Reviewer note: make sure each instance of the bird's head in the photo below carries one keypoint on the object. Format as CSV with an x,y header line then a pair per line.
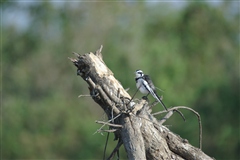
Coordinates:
x,y
139,73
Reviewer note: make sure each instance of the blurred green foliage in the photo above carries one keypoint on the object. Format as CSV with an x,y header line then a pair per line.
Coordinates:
x,y
192,53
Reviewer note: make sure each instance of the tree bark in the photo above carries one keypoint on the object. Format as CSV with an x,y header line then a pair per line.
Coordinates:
x,y
141,134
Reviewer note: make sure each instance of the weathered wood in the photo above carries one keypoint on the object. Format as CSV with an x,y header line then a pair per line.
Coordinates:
x,y
141,133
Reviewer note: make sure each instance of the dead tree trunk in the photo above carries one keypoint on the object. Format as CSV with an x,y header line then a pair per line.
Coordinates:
x,y
143,136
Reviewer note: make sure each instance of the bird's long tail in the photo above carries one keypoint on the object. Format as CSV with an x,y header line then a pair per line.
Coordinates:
x,y
154,94
160,101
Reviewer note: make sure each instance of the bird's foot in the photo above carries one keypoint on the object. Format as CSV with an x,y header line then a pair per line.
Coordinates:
x,y
145,98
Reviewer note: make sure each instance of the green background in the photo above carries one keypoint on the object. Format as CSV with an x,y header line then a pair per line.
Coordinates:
x,y
190,49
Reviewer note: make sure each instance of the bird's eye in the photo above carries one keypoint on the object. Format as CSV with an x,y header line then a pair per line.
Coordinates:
x,y
139,72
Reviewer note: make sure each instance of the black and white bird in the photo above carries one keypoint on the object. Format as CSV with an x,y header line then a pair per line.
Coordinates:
x,y
146,86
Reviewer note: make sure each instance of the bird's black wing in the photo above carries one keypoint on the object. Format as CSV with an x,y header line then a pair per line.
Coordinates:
x,y
148,79
150,83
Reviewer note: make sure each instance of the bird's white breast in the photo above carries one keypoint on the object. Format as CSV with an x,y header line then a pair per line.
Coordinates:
x,y
142,89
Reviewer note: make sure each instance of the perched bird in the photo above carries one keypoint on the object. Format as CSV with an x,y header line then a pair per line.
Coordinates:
x,y
146,86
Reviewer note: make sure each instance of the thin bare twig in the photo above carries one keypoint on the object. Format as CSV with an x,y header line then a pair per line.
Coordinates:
x,y
108,130
170,113
104,152
181,114
109,124
82,95
115,149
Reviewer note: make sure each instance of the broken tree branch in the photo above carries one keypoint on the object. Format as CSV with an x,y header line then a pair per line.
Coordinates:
x,y
142,135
